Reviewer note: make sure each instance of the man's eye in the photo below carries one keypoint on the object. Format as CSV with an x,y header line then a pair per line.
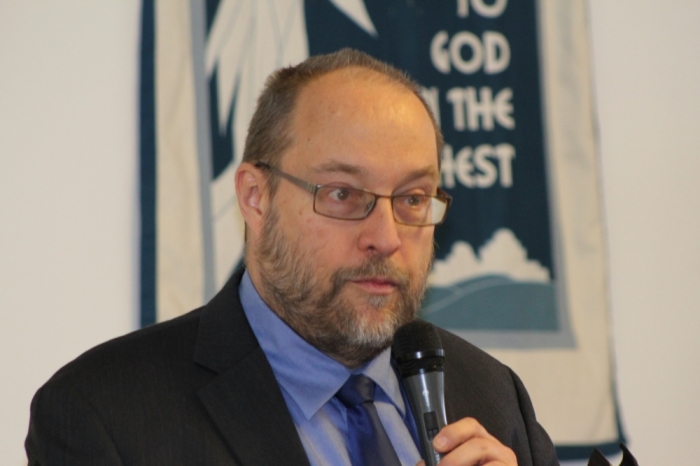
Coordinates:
x,y
340,194
415,200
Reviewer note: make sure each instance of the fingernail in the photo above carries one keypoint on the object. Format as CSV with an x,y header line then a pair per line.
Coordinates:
x,y
439,442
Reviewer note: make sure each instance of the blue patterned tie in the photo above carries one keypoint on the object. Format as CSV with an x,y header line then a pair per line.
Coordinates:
x,y
368,443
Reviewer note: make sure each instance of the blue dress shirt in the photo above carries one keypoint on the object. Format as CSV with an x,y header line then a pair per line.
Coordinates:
x,y
309,380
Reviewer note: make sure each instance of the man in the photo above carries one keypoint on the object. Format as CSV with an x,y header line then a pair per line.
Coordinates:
x,y
339,191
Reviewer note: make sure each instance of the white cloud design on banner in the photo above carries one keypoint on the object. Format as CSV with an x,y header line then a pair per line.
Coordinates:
x,y
502,255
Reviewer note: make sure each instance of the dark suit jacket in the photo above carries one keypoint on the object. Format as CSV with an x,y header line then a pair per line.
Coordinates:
x,y
199,390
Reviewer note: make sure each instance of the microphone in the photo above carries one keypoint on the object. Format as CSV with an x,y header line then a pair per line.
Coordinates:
x,y
418,352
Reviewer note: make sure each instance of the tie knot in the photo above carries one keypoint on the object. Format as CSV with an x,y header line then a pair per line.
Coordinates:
x,y
358,389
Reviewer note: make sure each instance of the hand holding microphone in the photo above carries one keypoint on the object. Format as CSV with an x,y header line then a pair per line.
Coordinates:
x,y
418,351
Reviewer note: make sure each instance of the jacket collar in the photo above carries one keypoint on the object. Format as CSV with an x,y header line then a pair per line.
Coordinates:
x,y
244,400
224,337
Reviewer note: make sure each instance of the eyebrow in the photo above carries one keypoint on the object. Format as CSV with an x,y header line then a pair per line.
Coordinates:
x,y
340,167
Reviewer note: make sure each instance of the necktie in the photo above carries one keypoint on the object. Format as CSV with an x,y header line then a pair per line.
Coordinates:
x,y
368,443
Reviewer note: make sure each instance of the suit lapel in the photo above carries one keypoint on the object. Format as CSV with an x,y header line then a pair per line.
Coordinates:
x,y
247,406
244,400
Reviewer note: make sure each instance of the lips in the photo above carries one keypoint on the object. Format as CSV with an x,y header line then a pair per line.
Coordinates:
x,y
376,285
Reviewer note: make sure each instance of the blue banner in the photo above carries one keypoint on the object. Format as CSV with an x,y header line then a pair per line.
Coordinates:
x,y
520,262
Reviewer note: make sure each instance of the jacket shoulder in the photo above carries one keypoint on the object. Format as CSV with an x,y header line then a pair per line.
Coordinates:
x,y
478,385
466,359
139,352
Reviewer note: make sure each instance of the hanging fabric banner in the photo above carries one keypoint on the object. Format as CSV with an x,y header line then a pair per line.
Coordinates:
x,y
520,266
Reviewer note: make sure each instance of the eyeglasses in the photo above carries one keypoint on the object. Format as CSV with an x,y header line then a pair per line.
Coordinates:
x,y
344,203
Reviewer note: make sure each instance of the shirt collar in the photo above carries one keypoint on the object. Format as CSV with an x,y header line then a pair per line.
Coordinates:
x,y
307,375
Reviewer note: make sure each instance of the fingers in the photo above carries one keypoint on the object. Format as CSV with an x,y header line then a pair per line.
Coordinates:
x,y
458,432
466,442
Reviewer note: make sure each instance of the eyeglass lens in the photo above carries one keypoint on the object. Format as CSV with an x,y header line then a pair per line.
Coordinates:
x,y
355,204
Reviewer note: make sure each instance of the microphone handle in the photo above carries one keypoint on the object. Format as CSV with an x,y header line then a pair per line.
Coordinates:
x,y
426,395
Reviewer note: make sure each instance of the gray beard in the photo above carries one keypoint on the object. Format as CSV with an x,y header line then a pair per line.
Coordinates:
x,y
315,308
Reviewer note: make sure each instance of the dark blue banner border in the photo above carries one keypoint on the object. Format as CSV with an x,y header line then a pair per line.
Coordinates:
x,y
147,165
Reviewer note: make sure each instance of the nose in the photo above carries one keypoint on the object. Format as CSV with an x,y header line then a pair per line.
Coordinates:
x,y
380,234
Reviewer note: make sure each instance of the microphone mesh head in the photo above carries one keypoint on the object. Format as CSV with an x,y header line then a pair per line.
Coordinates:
x,y
417,347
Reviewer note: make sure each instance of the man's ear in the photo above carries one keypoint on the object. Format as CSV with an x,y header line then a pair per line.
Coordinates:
x,y
251,191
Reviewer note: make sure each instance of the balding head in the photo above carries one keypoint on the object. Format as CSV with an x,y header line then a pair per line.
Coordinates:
x,y
270,131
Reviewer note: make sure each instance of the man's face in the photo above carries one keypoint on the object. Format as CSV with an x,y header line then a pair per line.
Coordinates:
x,y
346,286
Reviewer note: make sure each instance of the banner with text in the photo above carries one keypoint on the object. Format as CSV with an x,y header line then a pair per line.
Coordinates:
x,y
520,262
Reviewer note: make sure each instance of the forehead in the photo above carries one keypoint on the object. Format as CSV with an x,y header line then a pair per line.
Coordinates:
x,y
357,117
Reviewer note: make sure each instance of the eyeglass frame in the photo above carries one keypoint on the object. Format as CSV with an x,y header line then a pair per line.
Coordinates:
x,y
313,189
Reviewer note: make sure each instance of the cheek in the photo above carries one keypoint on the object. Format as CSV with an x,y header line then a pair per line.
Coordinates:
x,y
418,246
317,244
331,247
291,206
296,217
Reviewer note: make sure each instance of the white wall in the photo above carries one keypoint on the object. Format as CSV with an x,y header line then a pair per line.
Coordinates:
x,y
647,76
68,202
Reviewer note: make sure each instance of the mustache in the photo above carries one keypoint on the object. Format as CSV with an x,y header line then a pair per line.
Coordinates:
x,y
376,267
